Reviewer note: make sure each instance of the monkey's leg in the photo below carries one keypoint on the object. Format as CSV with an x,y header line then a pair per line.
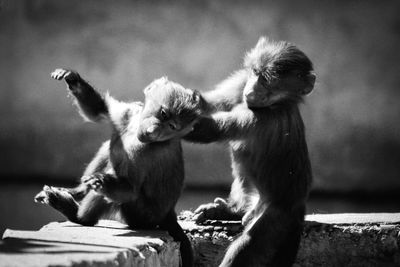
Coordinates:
x,y
90,102
114,188
92,208
171,225
272,239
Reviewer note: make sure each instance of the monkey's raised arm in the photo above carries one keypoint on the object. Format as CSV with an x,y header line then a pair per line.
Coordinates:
x,y
222,126
90,102
228,93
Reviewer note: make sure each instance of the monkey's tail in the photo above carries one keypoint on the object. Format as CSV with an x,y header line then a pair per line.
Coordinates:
x,y
171,225
270,240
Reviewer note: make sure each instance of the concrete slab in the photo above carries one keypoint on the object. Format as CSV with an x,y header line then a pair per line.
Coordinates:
x,y
108,244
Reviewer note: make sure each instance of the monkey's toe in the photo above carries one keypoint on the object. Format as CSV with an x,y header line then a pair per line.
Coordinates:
x,y
42,198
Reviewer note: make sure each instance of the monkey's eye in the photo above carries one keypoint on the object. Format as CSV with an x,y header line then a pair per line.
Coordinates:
x,y
163,114
256,72
172,126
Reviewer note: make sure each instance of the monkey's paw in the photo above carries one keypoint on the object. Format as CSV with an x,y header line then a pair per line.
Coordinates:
x,y
68,75
94,181
218,210
52,196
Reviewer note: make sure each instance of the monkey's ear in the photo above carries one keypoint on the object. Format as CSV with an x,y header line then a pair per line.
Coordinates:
x,y
310,80
147,89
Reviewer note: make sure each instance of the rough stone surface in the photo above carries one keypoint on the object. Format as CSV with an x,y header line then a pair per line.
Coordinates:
x,y
108,244
328,240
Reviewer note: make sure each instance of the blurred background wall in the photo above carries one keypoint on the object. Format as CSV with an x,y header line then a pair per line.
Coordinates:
x,y
352,118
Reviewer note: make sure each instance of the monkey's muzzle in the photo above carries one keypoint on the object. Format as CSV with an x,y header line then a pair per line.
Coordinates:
x,y
148,134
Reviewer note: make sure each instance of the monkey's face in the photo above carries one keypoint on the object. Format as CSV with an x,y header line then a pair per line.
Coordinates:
x,y
170,111
277,72
266,90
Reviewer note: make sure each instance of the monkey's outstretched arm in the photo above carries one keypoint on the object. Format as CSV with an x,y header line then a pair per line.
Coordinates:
x,y
222,126
228,93
90,102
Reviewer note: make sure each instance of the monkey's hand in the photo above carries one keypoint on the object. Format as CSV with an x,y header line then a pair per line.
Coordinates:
x,y
116,190
70,76
94,181
218,210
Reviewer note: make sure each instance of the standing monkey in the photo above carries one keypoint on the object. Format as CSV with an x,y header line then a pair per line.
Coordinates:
x,y
139,172
257,112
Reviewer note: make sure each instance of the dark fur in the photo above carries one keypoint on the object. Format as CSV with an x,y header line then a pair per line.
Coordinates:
x,y
137,173
270,161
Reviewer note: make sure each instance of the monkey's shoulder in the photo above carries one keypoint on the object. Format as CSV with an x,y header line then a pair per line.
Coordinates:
x,y
123,116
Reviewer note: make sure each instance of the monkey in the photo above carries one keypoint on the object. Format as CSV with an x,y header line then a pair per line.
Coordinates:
x,y
139,172
256,111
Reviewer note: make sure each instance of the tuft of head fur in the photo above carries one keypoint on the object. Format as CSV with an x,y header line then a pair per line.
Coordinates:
x,y
272,58
183,103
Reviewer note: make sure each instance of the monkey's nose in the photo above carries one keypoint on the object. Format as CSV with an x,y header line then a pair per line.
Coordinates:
x,y
150,130
251,96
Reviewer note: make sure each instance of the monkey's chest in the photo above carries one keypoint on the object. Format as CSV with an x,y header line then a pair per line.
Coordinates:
x,y
247,154
132,158
241,151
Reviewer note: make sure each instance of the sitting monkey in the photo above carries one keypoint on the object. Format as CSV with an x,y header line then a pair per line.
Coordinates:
x,y
139,172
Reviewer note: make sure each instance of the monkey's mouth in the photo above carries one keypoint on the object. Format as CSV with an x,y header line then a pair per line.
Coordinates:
x,y
258,102
149,138
144,138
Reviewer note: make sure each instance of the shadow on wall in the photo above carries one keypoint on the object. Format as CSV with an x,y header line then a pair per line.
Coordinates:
x,y
351,118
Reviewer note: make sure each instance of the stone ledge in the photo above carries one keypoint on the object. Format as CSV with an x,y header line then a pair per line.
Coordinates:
x,y
108,244
371,239
328,240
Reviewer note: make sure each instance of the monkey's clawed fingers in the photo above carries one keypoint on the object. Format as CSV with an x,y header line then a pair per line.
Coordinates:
x,y
60,74
42,196
70,76
211,211
94,181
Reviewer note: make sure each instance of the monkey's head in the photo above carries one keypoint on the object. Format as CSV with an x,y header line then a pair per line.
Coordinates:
x,y
278,72
170,111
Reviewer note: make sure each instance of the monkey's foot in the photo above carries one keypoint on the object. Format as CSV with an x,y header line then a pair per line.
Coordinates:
x,y
53,196
94,181
218,210
50,194
59,199
68,75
